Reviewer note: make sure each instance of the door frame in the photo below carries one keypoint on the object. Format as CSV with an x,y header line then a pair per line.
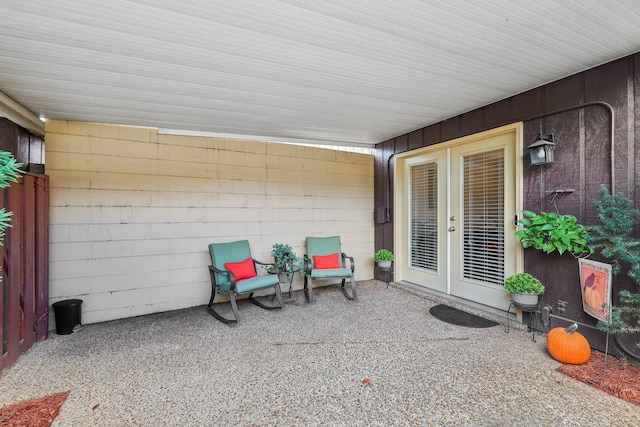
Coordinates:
x,y
400,193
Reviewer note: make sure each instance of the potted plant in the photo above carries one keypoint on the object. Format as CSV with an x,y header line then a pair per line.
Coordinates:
x,y
383,257
550,232
285,258
525,289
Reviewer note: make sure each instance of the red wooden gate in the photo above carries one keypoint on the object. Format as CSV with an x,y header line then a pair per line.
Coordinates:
x,y
24,293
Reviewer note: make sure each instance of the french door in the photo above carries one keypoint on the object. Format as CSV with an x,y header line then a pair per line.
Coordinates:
x,y
458,202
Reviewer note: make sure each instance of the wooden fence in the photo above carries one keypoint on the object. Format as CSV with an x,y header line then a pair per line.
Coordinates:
x,y
24,313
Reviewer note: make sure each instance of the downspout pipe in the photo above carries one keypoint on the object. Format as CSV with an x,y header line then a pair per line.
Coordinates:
x,y
609,108
387,201
603,104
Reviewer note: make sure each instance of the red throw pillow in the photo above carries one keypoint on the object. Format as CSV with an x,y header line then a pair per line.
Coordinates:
x,y
242,270
326,261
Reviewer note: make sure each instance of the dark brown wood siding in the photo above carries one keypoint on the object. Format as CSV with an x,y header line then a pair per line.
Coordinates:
x,y
583,163
27,148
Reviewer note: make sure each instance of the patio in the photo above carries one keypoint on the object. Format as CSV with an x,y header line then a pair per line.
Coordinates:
x,y
305,365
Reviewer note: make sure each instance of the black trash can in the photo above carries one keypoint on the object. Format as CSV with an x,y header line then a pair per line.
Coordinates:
x,y
68,314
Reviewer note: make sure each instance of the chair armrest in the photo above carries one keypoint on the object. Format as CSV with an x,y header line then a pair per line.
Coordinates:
x,y
306,265
272,264
351,263
230,275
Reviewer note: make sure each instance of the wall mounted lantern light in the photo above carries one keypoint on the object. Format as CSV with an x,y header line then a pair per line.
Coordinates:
x,y
541,151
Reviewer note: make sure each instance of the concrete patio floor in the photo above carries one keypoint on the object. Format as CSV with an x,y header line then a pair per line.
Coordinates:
x,y
305,366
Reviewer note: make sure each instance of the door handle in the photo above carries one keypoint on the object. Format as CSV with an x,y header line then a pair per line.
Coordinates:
x,y
452,228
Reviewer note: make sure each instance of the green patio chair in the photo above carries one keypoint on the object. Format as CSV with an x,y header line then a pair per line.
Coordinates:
x,y
325,260
233,272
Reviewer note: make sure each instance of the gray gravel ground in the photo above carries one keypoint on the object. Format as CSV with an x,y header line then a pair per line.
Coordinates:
x,y
305,366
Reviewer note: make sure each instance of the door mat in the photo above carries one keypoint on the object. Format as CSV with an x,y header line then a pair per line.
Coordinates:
x,y
38,412
459,317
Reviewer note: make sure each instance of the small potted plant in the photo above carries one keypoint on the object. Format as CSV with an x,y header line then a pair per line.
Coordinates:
x,y
551,232
285,258
383,257
525,289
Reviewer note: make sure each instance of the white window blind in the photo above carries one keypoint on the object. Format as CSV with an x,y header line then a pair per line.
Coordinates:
x,y
424,216
484,217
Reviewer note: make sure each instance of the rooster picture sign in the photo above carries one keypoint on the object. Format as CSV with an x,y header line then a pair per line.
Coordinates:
x,y
595,283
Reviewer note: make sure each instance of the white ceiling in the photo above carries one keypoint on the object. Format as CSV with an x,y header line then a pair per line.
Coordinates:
x,y
353,72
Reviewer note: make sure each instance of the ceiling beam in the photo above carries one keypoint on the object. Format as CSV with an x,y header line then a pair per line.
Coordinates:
x,y
20,115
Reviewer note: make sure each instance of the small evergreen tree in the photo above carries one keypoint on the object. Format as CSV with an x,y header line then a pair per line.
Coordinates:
x,y
613,238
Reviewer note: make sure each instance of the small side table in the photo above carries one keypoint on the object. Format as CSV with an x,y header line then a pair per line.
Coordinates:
x,y
388,272
533,319
288,279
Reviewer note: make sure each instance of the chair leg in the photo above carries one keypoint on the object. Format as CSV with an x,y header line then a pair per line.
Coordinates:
x,y
279,294
308,288
215,314
219,317
352,285
234,306
269,307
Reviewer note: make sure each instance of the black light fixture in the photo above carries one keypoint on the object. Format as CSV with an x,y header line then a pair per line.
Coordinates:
x,y
541,151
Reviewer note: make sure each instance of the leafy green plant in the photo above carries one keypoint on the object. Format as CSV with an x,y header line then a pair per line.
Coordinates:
x,y
550,232
383,255
523,283
618,217
9,172
285,258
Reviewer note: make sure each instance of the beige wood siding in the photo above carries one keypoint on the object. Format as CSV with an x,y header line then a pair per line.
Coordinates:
x,y
132,211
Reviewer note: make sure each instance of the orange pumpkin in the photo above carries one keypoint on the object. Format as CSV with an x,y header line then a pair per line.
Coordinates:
x,y
568,346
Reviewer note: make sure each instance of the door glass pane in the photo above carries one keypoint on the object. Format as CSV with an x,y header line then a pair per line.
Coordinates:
x,y
483,217
424,216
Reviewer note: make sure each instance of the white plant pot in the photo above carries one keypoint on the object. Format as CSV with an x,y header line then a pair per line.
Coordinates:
x,y
385,265
525,300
